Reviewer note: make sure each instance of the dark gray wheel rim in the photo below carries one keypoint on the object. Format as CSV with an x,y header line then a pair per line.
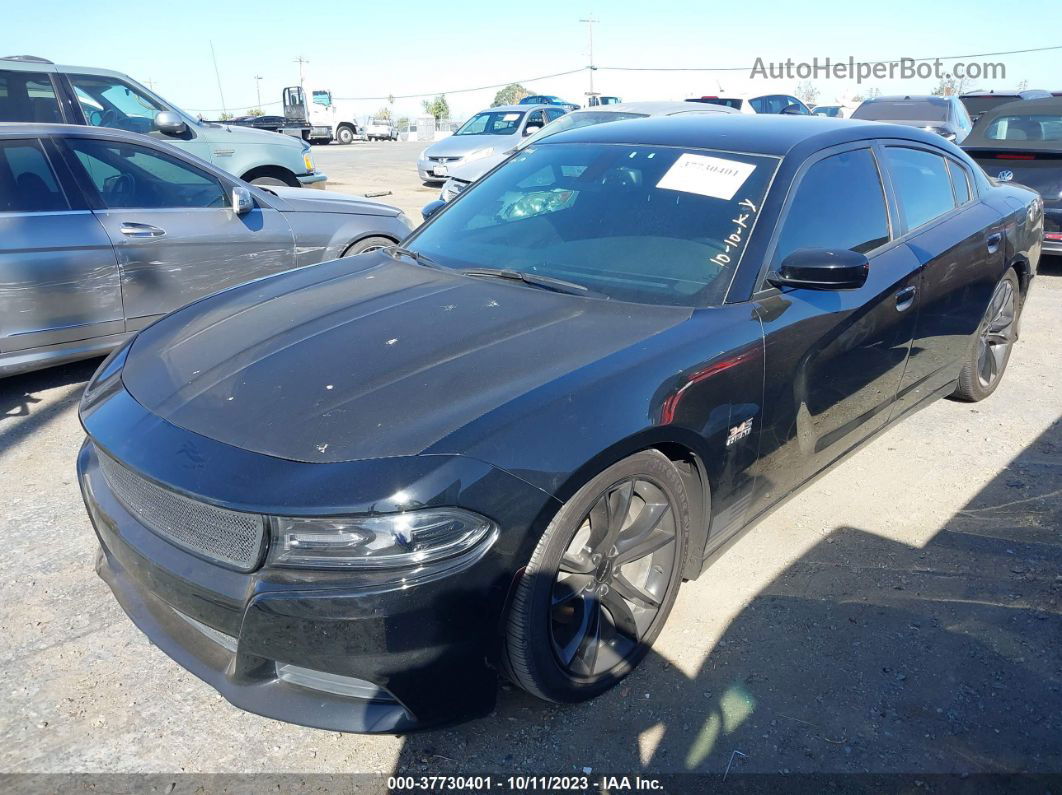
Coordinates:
x,y
613,578
997,334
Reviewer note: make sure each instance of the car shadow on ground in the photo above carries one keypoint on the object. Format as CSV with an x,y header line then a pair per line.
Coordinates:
x,y
864,655
19,399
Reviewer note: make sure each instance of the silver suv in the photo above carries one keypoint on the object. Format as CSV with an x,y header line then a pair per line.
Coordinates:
x,y
35,90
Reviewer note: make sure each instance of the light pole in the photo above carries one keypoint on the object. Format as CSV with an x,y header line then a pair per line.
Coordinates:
x,y
300,61
258,89
590,32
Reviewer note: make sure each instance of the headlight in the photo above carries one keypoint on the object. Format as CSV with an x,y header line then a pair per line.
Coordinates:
x,y
401,540
307,158
479,154
424,153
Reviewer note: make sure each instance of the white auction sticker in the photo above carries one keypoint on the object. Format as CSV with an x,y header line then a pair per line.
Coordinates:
x,y
708,176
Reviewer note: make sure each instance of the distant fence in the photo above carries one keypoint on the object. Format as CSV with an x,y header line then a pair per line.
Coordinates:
x,y
425,128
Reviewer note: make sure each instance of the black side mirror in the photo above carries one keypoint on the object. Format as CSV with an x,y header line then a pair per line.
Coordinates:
x,y
822,269
793,110
431,208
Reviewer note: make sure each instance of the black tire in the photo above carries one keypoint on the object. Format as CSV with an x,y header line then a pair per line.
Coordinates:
x,y
368,244
546,604
990,347
345,135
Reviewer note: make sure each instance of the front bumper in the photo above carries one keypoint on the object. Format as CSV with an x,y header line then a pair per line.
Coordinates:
x,y
426,170
314,180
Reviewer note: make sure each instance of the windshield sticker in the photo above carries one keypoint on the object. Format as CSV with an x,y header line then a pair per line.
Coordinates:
x,y
735,241
510,117
708,176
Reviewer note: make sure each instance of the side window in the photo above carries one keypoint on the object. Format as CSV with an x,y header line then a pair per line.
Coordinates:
x,y
838,204
135,176
922,184
28,97
27,183
760,104
536,119
554,113
109,102
959,182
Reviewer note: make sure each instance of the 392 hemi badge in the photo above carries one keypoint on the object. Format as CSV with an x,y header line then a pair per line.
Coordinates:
x,y
739,432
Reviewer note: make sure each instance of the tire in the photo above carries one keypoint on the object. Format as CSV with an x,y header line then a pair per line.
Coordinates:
x,y
345,135
549,627
267,181
990,347
367,244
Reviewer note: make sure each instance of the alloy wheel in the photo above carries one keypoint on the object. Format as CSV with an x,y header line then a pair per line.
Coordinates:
x,y
613,578
997,334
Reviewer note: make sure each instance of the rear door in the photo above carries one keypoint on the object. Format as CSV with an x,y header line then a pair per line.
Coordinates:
x,y
958,243
58,275
172,226
834,359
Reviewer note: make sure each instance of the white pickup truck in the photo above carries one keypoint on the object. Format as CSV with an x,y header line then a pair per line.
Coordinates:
x,y
377,129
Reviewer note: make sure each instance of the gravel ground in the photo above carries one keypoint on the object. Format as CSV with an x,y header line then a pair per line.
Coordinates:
x,y
900,616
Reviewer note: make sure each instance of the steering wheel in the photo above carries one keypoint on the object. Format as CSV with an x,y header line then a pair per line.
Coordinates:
x,y
119,190
108,118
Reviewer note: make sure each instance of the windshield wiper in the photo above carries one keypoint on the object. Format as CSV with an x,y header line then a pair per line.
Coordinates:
x,y
416,256
533,279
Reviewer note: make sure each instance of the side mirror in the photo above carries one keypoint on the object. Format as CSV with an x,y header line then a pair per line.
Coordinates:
x,y
242,200
793,110
822,269
169,123
431,208
532,128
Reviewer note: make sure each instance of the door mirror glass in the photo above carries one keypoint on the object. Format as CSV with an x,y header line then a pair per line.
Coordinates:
x,y
532,128
169,123
822,269
242,200
431,208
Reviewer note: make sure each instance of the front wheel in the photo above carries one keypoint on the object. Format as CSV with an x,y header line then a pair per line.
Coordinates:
x,y
368,244
345,135
990,349
601,582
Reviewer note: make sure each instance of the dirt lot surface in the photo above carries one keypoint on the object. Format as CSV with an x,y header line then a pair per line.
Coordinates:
x,y
901,615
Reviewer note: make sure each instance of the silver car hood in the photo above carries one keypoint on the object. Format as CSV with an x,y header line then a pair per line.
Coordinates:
x,y
461,145
470,172
304,200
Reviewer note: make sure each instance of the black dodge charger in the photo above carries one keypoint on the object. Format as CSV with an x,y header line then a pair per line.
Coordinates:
x,y
351,496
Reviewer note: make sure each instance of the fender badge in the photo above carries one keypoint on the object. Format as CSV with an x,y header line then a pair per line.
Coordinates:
x,y
739,432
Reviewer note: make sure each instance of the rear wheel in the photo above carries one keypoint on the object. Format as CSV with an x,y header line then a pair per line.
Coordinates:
x,y
601,582
990,349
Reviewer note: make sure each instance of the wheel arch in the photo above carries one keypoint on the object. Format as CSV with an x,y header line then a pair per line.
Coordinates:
x,y
365,236
279,172
1020,265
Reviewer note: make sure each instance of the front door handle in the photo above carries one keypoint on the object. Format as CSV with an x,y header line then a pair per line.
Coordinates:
x,y
905,298
130,229
993,242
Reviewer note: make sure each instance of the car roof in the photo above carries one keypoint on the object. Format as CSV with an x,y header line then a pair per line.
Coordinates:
x,y
931,99
769,134
12,129
508,108
657,108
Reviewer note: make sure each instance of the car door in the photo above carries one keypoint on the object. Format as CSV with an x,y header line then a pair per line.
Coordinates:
x,y
172,226
833,358
58,275
958,243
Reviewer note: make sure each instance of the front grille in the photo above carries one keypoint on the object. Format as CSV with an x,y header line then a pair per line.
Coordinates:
x,y
434,159
231,538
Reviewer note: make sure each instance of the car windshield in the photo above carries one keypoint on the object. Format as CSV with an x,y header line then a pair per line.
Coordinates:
x,y
732,102
648,224
976,105
492,122
913,110
1039,127
573,121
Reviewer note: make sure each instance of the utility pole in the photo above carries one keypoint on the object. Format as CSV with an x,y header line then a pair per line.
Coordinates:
x,y
258,88
300,61
150,83
217,74
590,32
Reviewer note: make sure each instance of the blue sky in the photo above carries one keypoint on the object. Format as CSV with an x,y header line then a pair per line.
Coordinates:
x,y
395,47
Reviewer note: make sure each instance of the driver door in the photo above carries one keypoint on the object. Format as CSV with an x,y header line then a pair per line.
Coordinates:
x,y
172,227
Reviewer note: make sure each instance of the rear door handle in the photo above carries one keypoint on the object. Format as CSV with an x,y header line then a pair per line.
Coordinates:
x,y
130,229
905,298
993,242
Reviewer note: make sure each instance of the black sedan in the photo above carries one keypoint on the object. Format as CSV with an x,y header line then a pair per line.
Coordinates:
x,y
350,496
945,116
1021,142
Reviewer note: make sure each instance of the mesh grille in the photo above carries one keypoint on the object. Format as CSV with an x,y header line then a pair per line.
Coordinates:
x,y
229,537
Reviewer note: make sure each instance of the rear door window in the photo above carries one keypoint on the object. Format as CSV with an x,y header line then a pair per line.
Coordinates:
x,y
960,182
839,204
28,97
922,182
27,182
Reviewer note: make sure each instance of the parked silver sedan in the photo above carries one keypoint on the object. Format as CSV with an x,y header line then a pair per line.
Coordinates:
x,y
103,231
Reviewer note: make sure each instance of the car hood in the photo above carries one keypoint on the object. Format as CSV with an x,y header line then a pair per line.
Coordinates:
x,y
470,172
367,357
236,133
318,201
461,145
